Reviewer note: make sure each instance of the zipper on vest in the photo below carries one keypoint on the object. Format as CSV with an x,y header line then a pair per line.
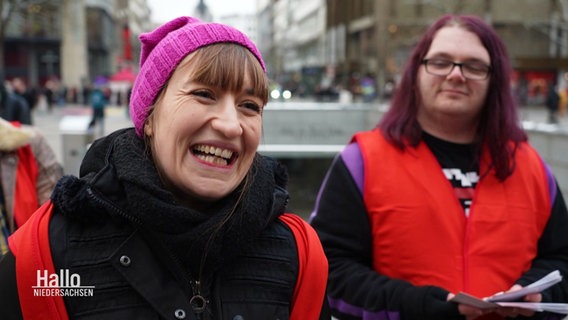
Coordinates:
x,y
198,302
110,206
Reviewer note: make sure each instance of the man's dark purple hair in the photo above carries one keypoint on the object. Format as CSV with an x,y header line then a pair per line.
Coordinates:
x,y
499,128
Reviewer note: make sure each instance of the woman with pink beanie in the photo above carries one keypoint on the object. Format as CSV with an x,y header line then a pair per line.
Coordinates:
x,y
178,217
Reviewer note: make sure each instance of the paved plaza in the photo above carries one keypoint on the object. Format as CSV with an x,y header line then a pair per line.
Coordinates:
x,y
52,124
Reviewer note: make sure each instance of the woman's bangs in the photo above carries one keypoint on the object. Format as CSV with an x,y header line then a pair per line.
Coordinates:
x,y
225,66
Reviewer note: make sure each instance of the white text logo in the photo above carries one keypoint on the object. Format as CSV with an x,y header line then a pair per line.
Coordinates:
x,y
64,284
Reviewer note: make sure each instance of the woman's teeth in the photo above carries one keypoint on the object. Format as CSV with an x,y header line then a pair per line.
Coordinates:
x,y
213,154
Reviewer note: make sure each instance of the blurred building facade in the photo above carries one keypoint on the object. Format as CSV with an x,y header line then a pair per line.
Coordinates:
x,y
358,38
32,41
72,42
308,45
291,36
78,43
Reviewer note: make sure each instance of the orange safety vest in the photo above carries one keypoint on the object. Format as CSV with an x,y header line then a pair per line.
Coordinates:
x,y
25,195
30,245
421,234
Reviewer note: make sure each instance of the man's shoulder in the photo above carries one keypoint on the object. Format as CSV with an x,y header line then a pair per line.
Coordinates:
x,y
15,99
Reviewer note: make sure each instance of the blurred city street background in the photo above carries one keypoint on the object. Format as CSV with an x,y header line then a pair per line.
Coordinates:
x,y
116,117
346,55
305,174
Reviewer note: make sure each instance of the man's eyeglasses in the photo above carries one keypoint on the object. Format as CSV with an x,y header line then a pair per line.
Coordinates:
x,y
469,70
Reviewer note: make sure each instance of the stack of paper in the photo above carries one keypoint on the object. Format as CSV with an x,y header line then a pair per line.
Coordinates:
x,y
511,299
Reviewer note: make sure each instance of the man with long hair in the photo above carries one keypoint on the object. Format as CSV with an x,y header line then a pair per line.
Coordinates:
x,y
445,195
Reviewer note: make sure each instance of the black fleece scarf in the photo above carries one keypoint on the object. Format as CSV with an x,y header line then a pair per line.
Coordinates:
x,y
201,240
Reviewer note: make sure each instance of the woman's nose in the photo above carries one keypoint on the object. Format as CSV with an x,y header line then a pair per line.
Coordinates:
x,y
227,120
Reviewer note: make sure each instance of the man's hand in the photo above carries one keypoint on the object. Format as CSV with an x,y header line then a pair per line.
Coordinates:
x,y
468,311
512,312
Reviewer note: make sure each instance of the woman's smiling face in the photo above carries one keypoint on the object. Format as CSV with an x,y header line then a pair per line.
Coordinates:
x,y
204,138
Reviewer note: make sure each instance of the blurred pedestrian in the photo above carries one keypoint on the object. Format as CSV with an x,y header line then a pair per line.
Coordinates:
x,y
368,90
128,94
445,195
49,94
552,103
563,103
178,217
27,93
14,107
28,171
98,102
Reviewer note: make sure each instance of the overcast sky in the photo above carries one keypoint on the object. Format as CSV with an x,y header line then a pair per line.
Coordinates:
x,y
165,10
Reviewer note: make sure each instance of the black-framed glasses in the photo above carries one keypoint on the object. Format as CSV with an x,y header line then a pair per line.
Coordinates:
x,y
470,70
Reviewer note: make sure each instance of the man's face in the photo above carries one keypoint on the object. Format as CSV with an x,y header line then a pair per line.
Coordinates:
x,y
453,98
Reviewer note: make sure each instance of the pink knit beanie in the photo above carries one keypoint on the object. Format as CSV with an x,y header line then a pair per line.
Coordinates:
x,y
162,51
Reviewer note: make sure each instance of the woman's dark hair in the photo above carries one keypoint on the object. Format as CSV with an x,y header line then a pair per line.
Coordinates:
x,y
499,128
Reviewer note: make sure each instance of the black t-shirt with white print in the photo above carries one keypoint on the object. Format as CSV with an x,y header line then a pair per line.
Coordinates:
x,y
460,165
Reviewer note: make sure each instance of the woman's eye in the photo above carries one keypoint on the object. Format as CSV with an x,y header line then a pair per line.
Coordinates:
x,y
203,94
251,106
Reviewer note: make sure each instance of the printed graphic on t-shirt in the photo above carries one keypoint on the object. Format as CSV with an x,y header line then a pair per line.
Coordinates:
x,y
464,185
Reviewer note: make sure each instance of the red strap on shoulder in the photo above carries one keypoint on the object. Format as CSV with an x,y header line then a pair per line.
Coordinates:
x,y
25,195
312,272
30,246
